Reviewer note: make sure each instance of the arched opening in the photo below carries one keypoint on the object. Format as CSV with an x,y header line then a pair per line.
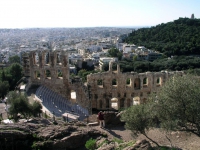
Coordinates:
x,y
128,82
107,103
58,58
145,82
59,74
114,67
37,75
100,104
137,83
158,81
36,59
132,94
48,74
136,100
100,82
47,58
128,102
122,103
114,103
73,96
114,82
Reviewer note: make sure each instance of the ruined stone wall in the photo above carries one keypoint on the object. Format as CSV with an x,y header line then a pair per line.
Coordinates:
x,y
127,88
51,69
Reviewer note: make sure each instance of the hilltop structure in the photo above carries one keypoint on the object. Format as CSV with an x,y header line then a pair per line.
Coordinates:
x,y
103,91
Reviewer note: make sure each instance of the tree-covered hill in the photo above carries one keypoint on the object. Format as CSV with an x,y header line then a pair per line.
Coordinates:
x,y
180,37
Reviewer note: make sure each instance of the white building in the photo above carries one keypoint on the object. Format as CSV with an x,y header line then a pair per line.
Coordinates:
x,y
105,60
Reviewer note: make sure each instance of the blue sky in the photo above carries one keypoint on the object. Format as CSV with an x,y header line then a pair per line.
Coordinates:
x,y
93,13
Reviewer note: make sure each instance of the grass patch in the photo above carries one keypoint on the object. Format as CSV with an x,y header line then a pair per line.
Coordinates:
x,y
117,140
91,144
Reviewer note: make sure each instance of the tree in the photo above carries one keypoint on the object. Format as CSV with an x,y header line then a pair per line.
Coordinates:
x,y
176,107
14,59
178,104
19,104
139,119
114,52
36,108
14,74
4,88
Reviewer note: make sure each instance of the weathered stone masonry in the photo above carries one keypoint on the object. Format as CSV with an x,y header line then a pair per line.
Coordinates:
x,y
51,69
126,88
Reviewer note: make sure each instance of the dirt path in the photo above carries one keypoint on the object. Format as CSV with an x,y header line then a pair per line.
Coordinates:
x,y
181,140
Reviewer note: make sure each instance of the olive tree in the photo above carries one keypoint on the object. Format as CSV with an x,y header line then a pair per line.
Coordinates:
x,y
19,104
139,120
178,104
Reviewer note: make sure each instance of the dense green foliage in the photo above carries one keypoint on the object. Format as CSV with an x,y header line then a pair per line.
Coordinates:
x,y
180,37
19,104
139,119
178,104
83,74
91,144
175,107
14,59
114,52
4,88
170,64
12,75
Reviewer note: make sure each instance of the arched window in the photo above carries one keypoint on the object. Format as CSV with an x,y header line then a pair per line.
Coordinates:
x,y
48,74
137,83
100,82
128,102
128,82
100,104
36,58
47,58
59,74
114,82
58,59
145,82
114,67
158,81
107,103
37,75
122,103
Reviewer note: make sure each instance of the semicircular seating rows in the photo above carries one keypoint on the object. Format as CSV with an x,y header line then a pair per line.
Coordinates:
x,y
59,105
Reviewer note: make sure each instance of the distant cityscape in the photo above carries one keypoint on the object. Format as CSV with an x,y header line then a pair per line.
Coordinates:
x,y
83,44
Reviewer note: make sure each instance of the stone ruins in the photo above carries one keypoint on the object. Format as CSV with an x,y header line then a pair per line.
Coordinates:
x,y
102,91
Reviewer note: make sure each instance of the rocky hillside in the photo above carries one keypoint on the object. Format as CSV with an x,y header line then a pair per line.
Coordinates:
x,y
45,135
42,134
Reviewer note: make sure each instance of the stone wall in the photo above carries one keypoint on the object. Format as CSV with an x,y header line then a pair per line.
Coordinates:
x,y
51,69
125,88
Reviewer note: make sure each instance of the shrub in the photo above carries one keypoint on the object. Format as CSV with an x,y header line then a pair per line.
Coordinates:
x,y
91,144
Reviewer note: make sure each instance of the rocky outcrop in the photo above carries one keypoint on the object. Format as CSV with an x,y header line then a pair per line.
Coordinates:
x,y
112,119
46,135
106,144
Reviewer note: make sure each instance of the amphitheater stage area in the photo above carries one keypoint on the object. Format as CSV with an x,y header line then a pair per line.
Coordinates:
x,y
57,105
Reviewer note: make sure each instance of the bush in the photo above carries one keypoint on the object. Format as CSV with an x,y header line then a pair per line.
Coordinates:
x,y
91,144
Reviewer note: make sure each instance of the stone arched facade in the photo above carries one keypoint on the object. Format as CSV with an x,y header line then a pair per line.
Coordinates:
x,y
51,69
130,87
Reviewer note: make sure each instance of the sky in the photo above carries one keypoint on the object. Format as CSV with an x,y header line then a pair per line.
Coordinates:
x,y
93,13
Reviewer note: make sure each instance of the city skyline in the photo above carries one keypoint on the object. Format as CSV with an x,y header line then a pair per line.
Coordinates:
x,y
93,13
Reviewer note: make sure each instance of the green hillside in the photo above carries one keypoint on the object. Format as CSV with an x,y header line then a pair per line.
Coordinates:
x,y
180,37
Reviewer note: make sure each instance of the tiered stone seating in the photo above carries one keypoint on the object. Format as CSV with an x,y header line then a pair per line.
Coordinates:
x,y
58,105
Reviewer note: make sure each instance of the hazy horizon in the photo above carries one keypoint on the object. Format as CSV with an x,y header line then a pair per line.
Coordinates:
x,y
24,14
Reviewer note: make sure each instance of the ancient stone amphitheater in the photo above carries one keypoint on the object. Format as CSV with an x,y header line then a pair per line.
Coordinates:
x,y
102,91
